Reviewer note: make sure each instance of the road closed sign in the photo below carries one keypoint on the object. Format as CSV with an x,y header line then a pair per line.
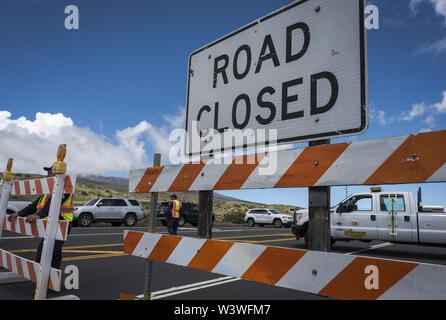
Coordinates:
x,y
298,74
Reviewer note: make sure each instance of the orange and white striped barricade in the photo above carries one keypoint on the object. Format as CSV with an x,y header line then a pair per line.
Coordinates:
x,y
37,228
404,159
325,274
52,229
27,269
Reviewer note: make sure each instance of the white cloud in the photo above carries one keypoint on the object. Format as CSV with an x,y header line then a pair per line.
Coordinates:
x,y
33,144
439,6
380,116
429,110
177,120
439,47
430,121
417,110
436,49
440,107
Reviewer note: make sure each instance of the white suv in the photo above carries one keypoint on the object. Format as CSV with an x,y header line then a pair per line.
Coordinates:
x,y
267,216
113,210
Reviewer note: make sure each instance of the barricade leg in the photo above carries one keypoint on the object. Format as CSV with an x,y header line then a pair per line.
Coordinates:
x,y
50,237
7,277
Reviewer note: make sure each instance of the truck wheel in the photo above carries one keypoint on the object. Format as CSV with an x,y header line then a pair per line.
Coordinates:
x,y
277,223
181,221
130,220
251,223
85,220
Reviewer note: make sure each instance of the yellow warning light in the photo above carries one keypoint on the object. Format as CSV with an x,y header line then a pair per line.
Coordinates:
x,y
7,175
376,189
9,164
60,167
61,152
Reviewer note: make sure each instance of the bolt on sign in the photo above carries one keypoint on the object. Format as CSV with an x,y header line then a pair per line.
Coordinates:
x,y
301,70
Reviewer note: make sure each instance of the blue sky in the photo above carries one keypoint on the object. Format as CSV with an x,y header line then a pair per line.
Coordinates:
x,y
116,87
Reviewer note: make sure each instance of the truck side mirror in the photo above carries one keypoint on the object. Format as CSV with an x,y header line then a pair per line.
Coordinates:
x,y
340,208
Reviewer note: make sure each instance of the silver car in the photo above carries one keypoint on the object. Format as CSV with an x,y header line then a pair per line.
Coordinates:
x,y
113,210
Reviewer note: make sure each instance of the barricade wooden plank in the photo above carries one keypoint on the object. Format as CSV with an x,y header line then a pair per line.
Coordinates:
x,y
28,269
327,274
37,228
41,186
405,159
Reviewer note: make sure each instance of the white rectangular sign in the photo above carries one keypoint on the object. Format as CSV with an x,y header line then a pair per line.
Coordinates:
x,y
301,70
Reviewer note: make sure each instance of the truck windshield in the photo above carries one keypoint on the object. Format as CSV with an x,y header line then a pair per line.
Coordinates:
x,y
275,211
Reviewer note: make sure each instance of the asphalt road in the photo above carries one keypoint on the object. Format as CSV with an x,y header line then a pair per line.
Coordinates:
x,y
105,272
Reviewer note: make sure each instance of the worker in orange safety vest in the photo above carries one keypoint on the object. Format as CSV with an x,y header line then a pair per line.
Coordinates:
x,y
174,211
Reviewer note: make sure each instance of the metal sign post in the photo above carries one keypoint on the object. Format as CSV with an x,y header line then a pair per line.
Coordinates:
x,y
152,228
319,213
205,217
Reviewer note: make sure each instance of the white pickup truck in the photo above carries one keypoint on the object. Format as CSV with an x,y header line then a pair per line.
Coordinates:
x,y
386,216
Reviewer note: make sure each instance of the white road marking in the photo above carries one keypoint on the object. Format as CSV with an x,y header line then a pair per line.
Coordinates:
x,y
94,234
376,246
190,287
116,234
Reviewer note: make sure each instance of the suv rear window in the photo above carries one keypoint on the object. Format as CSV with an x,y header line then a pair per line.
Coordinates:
x,y
134,203
119,203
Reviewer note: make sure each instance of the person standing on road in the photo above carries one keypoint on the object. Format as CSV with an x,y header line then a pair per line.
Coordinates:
x,y
174,211
39,209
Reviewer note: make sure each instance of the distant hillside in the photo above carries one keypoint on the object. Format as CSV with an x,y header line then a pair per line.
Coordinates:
x,y
124,182
110,181
226,209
